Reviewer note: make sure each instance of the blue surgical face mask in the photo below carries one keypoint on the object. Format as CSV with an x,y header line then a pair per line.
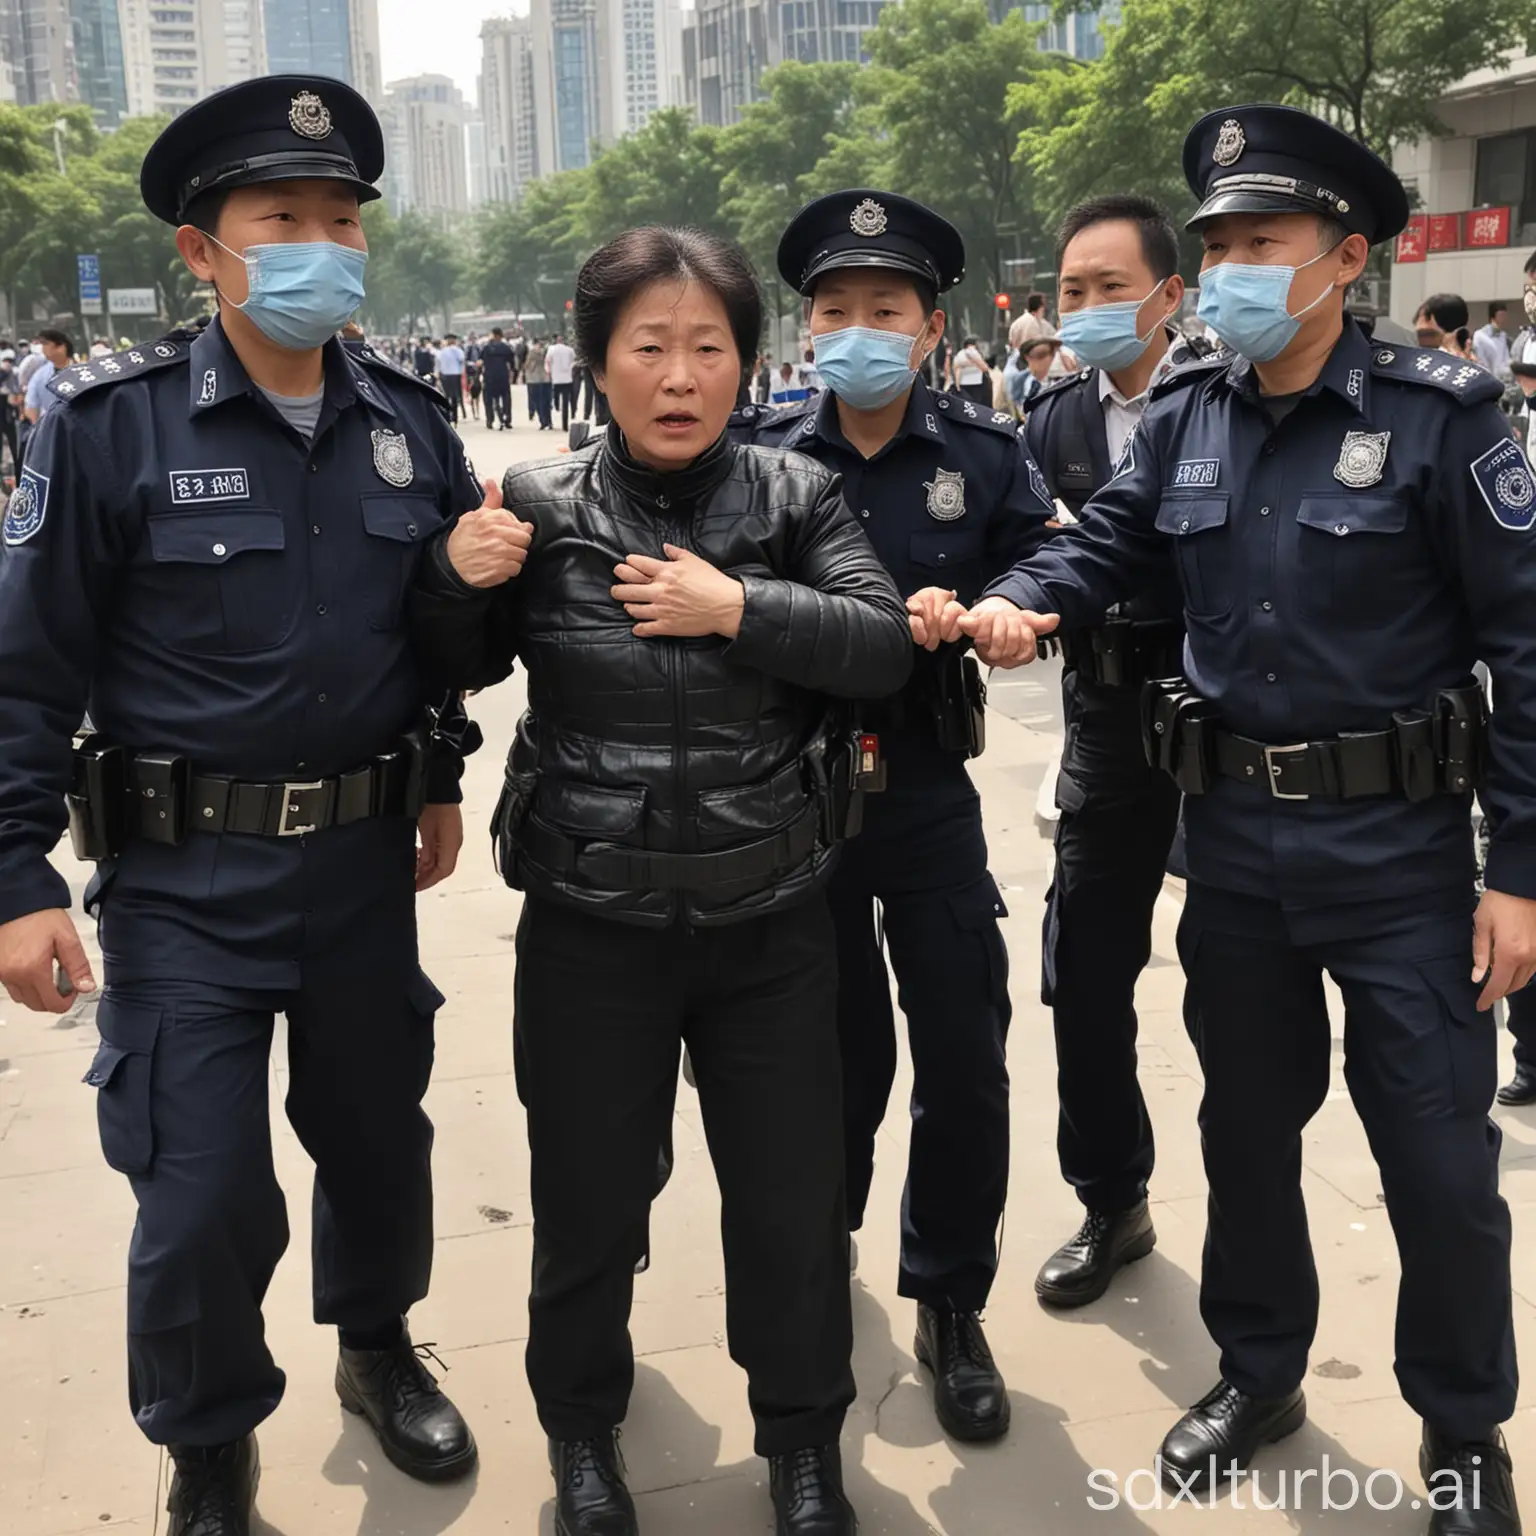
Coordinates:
x,y
1104,336
1246,305
865,367
301,294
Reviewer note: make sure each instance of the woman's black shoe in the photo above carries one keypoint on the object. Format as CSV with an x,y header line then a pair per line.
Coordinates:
x,y
214,1488
969,1395
1080,1270
418,1428
808,1497
1226,1426
590,1496
1471,1485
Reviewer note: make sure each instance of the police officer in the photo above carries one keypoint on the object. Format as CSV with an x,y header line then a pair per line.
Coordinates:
x,y
1119,290
949,497
211,547
1352,527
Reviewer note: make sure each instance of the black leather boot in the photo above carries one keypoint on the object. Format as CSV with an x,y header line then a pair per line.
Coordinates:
x,y
1471,1485
1521,1088
214,1488
1226,1426
590,1496
419,1429
808,1497
1080,1270
968,1391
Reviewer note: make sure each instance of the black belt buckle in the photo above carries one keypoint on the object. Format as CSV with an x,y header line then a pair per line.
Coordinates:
x,y
162,790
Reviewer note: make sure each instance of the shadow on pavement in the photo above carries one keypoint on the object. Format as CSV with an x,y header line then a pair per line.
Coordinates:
x,y
1159,1324
396,1505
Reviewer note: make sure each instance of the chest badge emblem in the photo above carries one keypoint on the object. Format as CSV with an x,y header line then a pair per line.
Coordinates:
x,y
1362,459
946,495
392,458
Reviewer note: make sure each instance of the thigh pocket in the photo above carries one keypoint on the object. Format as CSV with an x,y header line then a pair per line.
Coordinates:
x,y
122,1074
977,908
1471,1040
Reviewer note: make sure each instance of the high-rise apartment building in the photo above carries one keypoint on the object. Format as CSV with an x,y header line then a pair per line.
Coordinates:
x,y
644,57
1080,34
512,148
474,160
245,39
37,44
425,119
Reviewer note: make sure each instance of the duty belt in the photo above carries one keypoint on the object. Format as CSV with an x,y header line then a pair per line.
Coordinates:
x,y
1123,652
292,808
613,866
1436,750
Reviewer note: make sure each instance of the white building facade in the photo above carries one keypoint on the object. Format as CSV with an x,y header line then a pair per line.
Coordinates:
x,y
507,108
425,121
1474,224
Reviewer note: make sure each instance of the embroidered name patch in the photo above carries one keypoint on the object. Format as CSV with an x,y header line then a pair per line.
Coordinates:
x,y
192,487
1200,472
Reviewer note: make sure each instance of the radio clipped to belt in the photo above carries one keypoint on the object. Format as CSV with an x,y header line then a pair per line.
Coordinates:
x,y
1444,749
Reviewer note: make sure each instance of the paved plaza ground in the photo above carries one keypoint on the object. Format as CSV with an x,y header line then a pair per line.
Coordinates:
x,y
1093,1392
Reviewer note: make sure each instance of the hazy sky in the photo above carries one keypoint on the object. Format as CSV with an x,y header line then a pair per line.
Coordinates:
x,y
437,37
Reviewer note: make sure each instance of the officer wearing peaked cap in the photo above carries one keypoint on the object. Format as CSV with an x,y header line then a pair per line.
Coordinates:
x,y
1352,529
950,498
211,546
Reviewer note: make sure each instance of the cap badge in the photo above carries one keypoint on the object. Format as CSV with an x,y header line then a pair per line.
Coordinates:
x,y
1230,143
309,117
868,219
392,458
1362,459
946,495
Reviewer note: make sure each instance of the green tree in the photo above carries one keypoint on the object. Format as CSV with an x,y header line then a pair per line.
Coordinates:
x,y
667,173
938,93
1373,67
414,268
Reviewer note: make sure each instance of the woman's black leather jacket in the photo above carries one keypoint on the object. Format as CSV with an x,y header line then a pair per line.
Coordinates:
x,y
657,779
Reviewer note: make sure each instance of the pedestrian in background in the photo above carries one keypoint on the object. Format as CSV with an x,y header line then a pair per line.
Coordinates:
x,y
674,852
498,361
58,353
1490,343
560,361
972,376
450,375
536,373
1441,324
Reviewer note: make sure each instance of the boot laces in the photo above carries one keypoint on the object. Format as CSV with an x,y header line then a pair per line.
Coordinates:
x,y
208,1496
589,1457
410,1384
968,1342
805,1473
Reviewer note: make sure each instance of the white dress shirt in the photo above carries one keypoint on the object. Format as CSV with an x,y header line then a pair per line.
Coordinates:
x,y
1122,415
561,360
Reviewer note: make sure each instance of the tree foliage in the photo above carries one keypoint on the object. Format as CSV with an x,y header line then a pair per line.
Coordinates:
x,y
1373,67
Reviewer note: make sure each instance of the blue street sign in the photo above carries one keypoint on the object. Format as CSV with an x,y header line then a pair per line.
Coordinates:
x,y
90,284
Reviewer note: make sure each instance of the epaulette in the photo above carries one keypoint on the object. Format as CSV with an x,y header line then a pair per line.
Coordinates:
x,y
963,408
71,383
1466,382
371,357
1192,372
1058,387
756,417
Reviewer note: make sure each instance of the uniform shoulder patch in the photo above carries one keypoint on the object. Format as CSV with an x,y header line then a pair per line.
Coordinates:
x,y
25,511
1466,382
1192,372
71,383
963,408
1504,480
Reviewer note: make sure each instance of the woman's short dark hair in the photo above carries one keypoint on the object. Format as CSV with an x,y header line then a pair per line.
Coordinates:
x,y
615,273
1447,310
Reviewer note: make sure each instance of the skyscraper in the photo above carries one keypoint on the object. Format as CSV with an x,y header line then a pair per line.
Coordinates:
x,y
309,37
424,121
512,147
568,81
98,46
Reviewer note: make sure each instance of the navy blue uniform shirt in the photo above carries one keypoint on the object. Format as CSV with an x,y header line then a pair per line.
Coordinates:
x,y
178,557
1346,564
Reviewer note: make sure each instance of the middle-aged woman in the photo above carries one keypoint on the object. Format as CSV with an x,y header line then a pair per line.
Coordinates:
x,y
688,613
